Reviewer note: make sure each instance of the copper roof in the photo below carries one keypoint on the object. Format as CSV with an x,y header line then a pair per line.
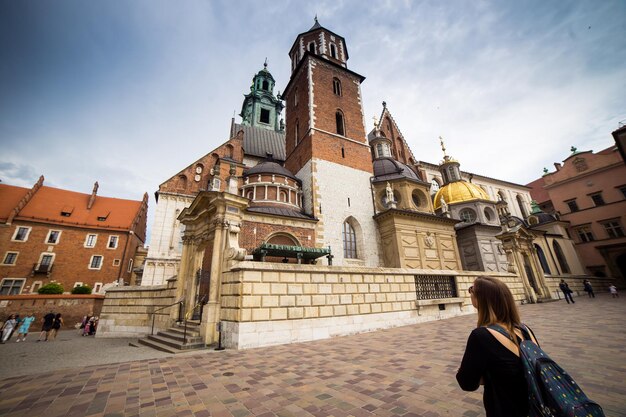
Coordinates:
x,y
261,142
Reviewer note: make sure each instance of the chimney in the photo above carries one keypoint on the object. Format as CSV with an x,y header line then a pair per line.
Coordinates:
x,y
92,199
558,166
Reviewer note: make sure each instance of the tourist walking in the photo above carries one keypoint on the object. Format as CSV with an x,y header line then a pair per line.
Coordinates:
x,y
56,326
566,291
588,288
613,291
22,332
7,328
490,358
48,322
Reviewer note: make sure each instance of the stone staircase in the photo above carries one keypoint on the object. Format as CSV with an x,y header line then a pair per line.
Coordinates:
x,y
172,340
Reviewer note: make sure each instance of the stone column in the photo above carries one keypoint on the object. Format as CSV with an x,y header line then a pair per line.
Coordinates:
x,y
185,272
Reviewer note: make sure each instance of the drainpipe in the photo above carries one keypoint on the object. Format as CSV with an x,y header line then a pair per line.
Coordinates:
x,y
130,234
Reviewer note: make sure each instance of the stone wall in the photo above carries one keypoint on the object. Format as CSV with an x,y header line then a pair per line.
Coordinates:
x,y
266,304
72,307
127,311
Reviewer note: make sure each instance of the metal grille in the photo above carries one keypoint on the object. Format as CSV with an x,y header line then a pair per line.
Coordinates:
x,y
429,287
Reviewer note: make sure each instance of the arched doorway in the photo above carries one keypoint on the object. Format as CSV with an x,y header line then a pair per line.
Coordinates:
x,y
531,276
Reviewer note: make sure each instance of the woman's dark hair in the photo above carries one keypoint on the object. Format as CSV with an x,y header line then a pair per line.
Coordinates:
x,y
495,303
58,316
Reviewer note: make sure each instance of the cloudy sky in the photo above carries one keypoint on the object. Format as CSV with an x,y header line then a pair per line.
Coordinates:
x,y
127,93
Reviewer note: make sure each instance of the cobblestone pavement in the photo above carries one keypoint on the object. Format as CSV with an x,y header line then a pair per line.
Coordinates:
x,y
405,372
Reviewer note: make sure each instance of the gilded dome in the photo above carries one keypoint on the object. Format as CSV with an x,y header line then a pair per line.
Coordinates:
x,y
459,192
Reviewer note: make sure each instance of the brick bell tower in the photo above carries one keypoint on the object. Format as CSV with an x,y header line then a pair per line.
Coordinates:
x,y
327,148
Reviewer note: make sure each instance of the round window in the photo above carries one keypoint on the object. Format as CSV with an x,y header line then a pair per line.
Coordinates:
x,y
467,215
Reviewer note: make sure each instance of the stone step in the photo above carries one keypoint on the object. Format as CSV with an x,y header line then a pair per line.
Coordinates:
x,y
158,346
175,343
180,337
181,331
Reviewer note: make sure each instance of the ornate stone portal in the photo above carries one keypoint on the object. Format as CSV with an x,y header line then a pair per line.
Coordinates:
x,y
210,243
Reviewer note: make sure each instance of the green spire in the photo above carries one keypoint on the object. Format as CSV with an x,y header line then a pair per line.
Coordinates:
x,y
534,207
261,108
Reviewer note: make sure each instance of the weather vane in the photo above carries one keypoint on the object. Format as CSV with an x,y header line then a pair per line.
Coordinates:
x,y
443,147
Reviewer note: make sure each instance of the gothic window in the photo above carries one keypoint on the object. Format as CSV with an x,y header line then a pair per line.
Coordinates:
x,y
336,86
297,132
181,184
542,259
468,215
340,123
265,116
295,97
520,203
230,150
312,48
333,50
266,85
349,241
560,257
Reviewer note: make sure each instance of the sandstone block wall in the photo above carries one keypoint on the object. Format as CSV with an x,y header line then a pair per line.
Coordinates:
x,y
127,311
267,304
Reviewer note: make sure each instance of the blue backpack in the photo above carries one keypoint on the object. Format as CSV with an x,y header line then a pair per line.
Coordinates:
x,y
551,391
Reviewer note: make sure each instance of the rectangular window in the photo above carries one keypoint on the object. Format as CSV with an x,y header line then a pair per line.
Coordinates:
x,y
11,286
265,116
622,189
584,233
116,262
91,240
113,242
96,262
573,206
597,199
21,234
53,237
45,263
613,228
10,258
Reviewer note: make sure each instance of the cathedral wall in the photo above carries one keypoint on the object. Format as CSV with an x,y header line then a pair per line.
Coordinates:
x,y
267,304
341,193
257,229
165,250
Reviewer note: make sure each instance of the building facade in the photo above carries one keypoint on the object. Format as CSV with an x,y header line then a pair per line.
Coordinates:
x,y
587,192
53,235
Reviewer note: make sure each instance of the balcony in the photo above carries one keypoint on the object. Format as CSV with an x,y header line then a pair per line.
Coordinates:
x,y
42,269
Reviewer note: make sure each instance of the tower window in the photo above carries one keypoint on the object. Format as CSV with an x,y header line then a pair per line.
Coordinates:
x,y
266,85
297,132
340,123
333,51
468,215
265,116
312,47
336,86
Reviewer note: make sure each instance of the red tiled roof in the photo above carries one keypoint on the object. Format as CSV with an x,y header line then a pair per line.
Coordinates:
x,y
48,203
537,192
10,195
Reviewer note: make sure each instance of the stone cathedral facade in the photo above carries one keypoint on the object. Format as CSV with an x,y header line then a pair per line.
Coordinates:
x,y
354,231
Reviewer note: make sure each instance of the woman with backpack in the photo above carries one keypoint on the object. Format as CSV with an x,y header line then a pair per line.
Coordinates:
x,y
490,358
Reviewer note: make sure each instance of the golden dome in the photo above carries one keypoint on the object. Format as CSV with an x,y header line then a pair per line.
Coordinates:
x,y
459,192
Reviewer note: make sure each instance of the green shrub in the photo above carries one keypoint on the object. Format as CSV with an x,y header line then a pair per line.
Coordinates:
x,y
81,289
52,288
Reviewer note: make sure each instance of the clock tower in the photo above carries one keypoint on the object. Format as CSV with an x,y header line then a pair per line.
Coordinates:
x,y
327,148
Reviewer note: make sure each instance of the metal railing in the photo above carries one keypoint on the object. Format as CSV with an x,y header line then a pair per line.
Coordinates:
x,y
181,307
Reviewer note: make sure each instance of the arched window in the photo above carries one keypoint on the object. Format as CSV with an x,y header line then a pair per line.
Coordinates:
x,y
501,196
468,215
181,184
312,48
434,186
349,241
379,150
333,50
336,86
560,257
295,97
522,207
542,259
340,123
230,150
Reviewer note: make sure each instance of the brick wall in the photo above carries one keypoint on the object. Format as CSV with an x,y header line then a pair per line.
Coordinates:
x,y
72,307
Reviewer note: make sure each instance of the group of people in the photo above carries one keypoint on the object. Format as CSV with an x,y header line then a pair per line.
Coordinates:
x,y
89,325
567,292
51,324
